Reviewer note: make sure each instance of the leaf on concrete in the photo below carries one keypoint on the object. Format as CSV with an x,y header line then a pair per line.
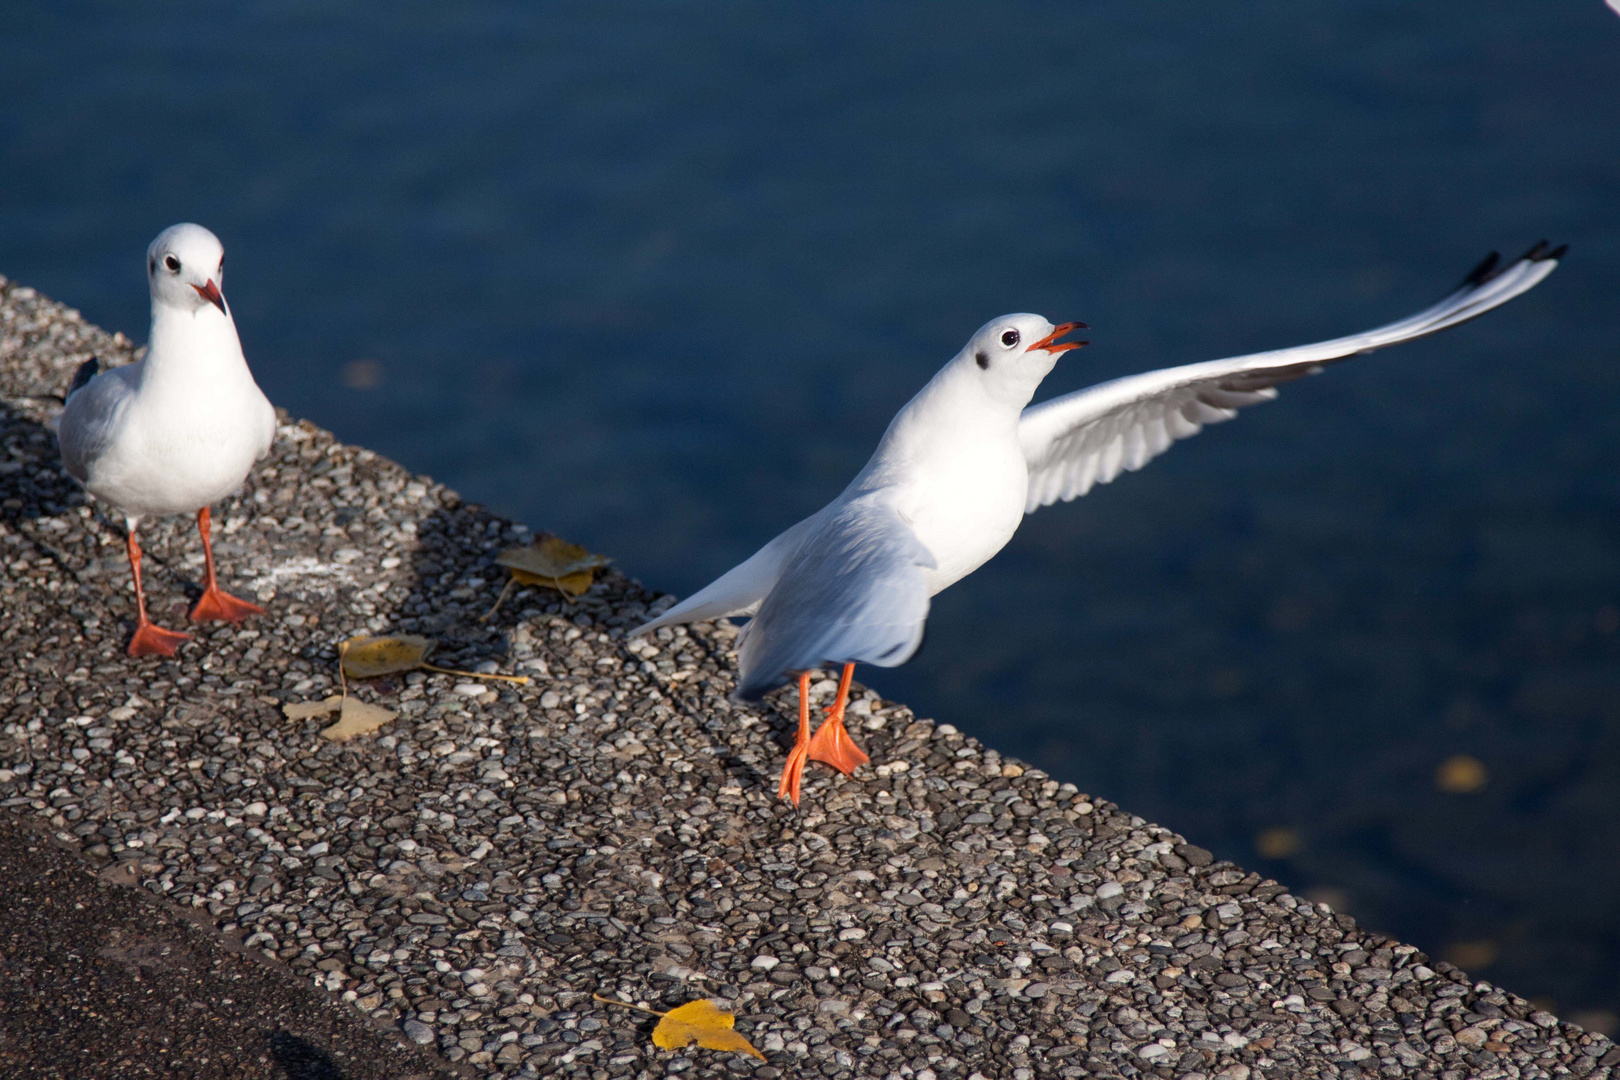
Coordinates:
x,y
554,563
357,718
702,1022
367,657
306,710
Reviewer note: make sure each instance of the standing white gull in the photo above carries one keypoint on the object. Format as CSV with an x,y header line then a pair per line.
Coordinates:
x,y
177,430
960,466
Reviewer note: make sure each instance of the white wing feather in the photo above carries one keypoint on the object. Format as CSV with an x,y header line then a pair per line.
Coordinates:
x,y
855,590
1089,437
739,590
89,421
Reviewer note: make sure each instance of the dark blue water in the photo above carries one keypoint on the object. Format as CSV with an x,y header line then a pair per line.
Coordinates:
x,y
655,277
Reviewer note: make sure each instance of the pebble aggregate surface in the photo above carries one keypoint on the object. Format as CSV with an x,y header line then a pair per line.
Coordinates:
x,y
472,873
98,980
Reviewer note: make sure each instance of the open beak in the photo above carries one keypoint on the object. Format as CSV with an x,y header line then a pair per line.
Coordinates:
x,y
211,293
1057,332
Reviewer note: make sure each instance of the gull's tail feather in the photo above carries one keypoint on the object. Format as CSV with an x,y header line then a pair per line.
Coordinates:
x,y
739,590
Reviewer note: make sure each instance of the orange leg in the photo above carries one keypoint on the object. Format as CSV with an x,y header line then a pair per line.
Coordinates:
x,y
793,771
832,743
149,639
214,605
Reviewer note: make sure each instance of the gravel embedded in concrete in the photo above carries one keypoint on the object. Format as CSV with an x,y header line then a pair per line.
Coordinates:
x,y
98,980
476,871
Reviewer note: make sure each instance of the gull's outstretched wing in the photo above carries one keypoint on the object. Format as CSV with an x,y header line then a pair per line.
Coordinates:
x,y
1088,437
854,590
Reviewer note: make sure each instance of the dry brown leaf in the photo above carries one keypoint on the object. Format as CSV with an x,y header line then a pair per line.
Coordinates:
x,y
553,562
549,562
368,657
307,710
570,585
357,718
702,1022
550,556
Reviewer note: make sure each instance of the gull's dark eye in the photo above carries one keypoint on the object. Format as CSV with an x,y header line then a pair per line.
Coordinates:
x,y
172,263
1009,338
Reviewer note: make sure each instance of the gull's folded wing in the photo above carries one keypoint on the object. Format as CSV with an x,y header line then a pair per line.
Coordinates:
x,y
854,590
1088,437
89,420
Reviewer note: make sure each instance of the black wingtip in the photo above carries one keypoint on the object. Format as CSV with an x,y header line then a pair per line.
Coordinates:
x,y
1537,253
81,378
1543,252
1482,273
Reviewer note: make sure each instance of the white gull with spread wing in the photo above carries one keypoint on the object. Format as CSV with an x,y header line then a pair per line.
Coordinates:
x,y
960,466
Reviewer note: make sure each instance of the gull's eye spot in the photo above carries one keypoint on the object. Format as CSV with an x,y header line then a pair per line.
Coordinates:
x,y
982,360
172,263
1009,338
151,266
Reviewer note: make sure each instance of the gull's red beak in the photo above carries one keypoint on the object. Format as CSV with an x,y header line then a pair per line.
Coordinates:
x,y
210,292
1057,332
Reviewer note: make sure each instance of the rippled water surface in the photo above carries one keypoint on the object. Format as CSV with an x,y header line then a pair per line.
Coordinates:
x,y
655,277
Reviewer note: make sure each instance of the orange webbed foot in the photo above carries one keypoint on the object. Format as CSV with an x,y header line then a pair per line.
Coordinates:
x,y
832,745
793,774
153,640
217,606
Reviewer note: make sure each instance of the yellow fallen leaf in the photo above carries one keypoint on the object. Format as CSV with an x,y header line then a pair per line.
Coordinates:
x,y
702,1022
552,558
368,657
551,562
306,710
357,718
574,584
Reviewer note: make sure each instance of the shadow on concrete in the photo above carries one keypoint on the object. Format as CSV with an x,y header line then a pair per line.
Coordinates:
x,y
456,582
302,1059
33,483
99,979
